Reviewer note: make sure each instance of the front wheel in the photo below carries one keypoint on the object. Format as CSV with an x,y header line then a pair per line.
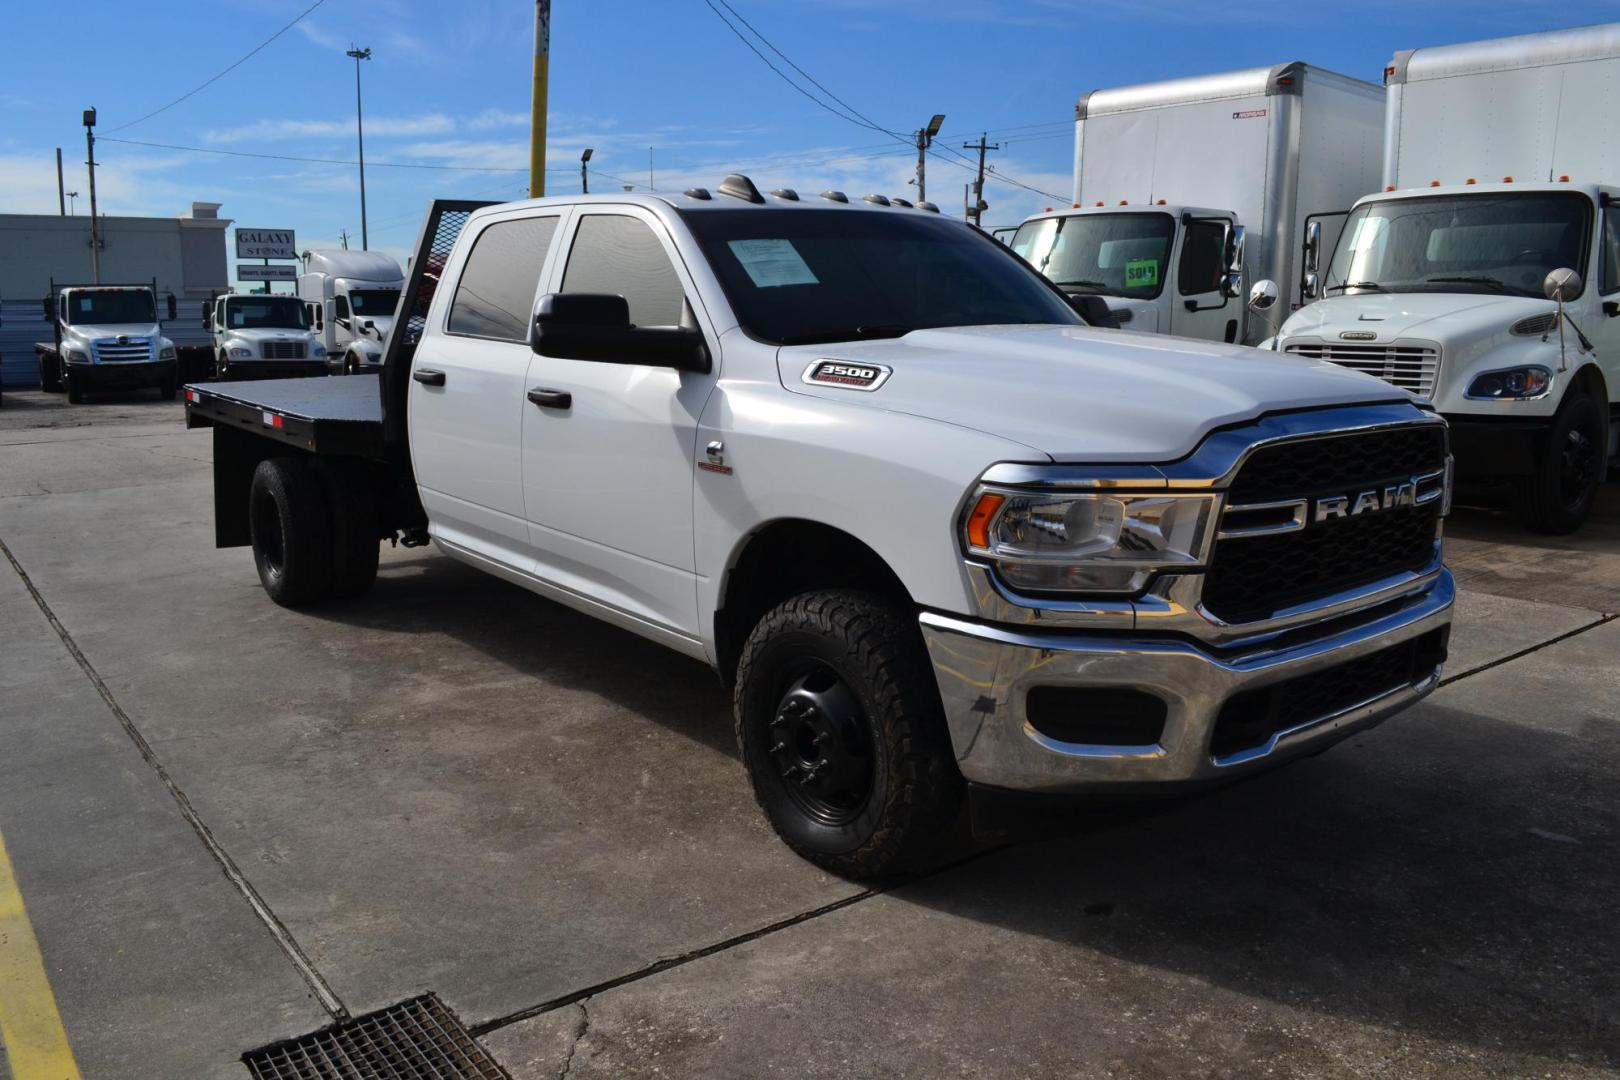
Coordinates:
x,y
841,729
75,387
1559,494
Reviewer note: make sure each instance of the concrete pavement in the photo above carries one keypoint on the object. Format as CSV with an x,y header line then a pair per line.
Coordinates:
x,y
452,785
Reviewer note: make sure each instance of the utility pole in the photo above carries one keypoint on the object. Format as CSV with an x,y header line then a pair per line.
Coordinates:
x,y
584,175
95,234
71,207
976,211
537,104
925,139
61,189
360,135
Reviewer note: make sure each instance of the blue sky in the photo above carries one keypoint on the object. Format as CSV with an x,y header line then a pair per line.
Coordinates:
x,y
449,85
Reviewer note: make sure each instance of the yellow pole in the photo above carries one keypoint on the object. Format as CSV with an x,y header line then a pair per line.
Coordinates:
x,y
537,107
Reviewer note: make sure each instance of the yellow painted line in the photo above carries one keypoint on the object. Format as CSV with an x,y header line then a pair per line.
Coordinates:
x,y
36,1046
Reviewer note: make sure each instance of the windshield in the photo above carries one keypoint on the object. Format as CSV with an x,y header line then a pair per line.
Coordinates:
x,y
799,277
373,302
266,312
1117,254
1497,244
113,306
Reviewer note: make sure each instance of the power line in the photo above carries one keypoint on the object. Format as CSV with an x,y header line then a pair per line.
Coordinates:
x,y
320,161
249,55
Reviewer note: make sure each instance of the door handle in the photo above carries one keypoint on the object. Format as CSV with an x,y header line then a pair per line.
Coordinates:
x,y
547,398
428,376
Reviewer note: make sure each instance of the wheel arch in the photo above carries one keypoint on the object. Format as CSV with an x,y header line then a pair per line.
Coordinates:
x,y
783,558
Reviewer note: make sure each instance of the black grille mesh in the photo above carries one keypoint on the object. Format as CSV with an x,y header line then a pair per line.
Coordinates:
x,y
438,253
1254,577
1250,719
417,1039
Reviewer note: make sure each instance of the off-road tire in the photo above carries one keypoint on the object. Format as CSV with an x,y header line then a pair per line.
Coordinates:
x,y
291,529
356,537
1546,503
74,383
874,646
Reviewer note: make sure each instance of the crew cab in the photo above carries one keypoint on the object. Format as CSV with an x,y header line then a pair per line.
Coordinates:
x,y
933,530
263,336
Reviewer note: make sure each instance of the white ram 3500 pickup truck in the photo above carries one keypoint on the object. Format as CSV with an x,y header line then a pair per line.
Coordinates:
x,y
875,470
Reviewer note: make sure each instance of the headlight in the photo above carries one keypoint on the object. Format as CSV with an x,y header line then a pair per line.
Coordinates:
x,y
241,354
75,356
317,350
1510,384
167,353
1087,542
374,357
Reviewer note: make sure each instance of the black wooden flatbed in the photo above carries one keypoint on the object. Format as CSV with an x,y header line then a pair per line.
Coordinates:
x,y
340,415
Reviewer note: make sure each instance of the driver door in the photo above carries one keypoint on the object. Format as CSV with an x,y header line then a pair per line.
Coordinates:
x,y
1200,308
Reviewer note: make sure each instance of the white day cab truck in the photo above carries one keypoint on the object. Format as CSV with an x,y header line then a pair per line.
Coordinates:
x,y
350,297
1501,174
1186,189
106,337
932,528
263,336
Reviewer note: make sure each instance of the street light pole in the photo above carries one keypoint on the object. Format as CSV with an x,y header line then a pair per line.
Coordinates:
x,y
925,139
584,178
95,234
360,135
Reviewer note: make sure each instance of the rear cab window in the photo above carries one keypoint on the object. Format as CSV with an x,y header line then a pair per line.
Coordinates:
x,y
495,295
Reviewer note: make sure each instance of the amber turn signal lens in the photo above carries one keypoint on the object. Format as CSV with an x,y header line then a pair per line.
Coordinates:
x,y
978,524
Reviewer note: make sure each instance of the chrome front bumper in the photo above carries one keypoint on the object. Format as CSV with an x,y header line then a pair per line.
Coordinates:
x,y
986,670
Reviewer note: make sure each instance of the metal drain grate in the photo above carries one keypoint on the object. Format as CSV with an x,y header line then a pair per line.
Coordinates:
x,y
414,1040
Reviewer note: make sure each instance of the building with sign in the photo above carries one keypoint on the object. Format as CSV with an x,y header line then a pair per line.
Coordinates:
x,y
185,255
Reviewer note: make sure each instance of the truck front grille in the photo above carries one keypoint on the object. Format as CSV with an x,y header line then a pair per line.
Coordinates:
x,y
1410,367
284,350
111,350
1254,577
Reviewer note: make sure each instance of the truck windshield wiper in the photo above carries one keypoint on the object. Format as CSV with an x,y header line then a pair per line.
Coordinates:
x,y
1083,284
1466,280
1373,285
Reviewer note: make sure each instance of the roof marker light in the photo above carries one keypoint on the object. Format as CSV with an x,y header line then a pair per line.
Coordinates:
x,y
1074,206
1434,183
1161,202
1048,210
1507,179
1470,180
1564,179
1124,202
1389,187
1099,202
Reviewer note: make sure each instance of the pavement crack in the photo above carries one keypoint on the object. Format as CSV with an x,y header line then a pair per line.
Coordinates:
x,y
283,937
1522,653
580,1030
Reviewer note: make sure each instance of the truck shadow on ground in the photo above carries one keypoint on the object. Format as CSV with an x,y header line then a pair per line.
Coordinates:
x,y
1449,876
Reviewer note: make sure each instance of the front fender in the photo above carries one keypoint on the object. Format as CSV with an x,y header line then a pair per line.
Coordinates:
x,y
894,481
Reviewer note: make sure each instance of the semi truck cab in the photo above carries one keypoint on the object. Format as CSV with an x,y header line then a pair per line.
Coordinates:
x,y
1160,269
352,296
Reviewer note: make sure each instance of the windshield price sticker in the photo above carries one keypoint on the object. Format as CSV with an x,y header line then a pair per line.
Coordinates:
x,y
1141,273
772,263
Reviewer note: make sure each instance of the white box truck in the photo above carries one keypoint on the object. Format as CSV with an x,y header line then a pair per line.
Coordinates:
x,y
1185,188
1501,170
351,297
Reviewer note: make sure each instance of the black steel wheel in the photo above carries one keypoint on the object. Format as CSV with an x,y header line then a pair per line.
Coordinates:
x,y
841,730
291,531
1558,497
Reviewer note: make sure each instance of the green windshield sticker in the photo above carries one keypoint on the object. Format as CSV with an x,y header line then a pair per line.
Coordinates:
x,y
1141,273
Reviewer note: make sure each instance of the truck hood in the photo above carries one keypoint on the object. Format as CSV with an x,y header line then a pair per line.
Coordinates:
x,y
1437,316
1081,394
97,331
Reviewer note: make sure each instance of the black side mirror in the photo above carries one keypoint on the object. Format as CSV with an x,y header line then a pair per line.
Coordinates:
x,y
46,306
597,327
1095,310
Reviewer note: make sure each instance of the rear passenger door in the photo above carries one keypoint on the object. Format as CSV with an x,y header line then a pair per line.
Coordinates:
x,y
608,478
466,403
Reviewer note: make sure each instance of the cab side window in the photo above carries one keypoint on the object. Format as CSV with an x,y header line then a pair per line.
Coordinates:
x,y
495,297
1611,252
1199,271
622,255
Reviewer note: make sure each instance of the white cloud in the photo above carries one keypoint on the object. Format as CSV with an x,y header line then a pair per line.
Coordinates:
x,y
284,130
